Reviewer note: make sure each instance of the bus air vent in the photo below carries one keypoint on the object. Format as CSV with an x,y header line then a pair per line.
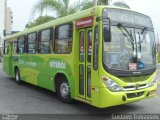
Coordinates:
x,y
133,95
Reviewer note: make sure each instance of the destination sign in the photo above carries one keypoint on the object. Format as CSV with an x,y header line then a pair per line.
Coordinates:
x,y
85,22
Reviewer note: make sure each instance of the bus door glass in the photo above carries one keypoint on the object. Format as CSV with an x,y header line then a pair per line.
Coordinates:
x,y
7,56
85,55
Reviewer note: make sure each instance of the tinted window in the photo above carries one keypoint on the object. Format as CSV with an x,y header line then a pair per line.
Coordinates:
x,y
63,39
21,45
31,43
125,16
6,47
15,46
44,43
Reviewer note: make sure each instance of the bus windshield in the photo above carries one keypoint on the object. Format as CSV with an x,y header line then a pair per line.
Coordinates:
x,y
132,47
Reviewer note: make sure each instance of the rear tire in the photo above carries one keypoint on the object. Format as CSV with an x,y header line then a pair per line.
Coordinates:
x,y
63,91
17,76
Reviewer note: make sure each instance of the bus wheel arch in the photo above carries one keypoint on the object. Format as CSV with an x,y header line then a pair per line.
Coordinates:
x,y
62,87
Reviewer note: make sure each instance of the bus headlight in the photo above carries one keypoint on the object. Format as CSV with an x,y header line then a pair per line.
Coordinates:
x,y
153,82
111,85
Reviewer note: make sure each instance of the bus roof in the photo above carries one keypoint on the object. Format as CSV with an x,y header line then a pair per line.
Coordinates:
x,y
78,15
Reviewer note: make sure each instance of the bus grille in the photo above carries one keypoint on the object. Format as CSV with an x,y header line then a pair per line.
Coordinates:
x,y
134,87
133,95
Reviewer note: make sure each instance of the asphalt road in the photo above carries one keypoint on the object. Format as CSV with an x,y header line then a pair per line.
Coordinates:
x,y
29,99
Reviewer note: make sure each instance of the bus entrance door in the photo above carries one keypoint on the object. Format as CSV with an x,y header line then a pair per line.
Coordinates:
x,y
7,65
85,55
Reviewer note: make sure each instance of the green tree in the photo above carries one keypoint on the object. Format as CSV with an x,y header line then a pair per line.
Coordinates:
x,y
121,4
39,20
85,4
60,7
103,2
100,2
63,7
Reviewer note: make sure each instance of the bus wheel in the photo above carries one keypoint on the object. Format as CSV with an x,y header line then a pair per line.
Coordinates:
x,y
63,91
17,76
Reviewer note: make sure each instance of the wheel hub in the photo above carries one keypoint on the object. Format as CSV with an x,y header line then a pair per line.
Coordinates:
x,y
17,76
64,89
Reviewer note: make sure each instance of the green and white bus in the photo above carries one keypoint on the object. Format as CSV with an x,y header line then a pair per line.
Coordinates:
x,y
103,56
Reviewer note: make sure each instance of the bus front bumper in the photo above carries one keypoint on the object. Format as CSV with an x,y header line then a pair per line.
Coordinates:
x,y
108,98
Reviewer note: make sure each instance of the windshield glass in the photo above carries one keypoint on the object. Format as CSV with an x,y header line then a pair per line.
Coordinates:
x,y
145,48
126,16
129,51
128,43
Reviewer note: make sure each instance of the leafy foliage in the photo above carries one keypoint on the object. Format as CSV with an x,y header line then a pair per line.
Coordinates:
x,y
85,5
39,20
121,4
63,8
103,2
60,7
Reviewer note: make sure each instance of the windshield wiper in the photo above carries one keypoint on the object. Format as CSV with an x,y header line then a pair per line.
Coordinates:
x,y
131,39
143,32
119,25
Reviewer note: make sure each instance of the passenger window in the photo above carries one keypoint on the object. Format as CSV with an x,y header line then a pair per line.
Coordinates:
x,y
21,45
15,46
44,43
63,39
31,43
6,46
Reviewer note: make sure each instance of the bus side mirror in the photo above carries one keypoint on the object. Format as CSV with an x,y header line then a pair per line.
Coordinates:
x,y
107,34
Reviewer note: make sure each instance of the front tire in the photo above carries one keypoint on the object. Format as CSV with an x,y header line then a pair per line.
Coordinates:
x,y
63,91
17,76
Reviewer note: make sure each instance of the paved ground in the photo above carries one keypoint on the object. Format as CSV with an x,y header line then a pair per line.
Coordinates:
x,y
28,99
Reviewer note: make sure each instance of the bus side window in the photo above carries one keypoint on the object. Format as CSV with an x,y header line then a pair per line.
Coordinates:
x,y
44,41
63,39
6,47
95,50
31,43
15,46
21,45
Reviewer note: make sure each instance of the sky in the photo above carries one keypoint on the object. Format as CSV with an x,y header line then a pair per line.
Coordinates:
x,y
22,10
